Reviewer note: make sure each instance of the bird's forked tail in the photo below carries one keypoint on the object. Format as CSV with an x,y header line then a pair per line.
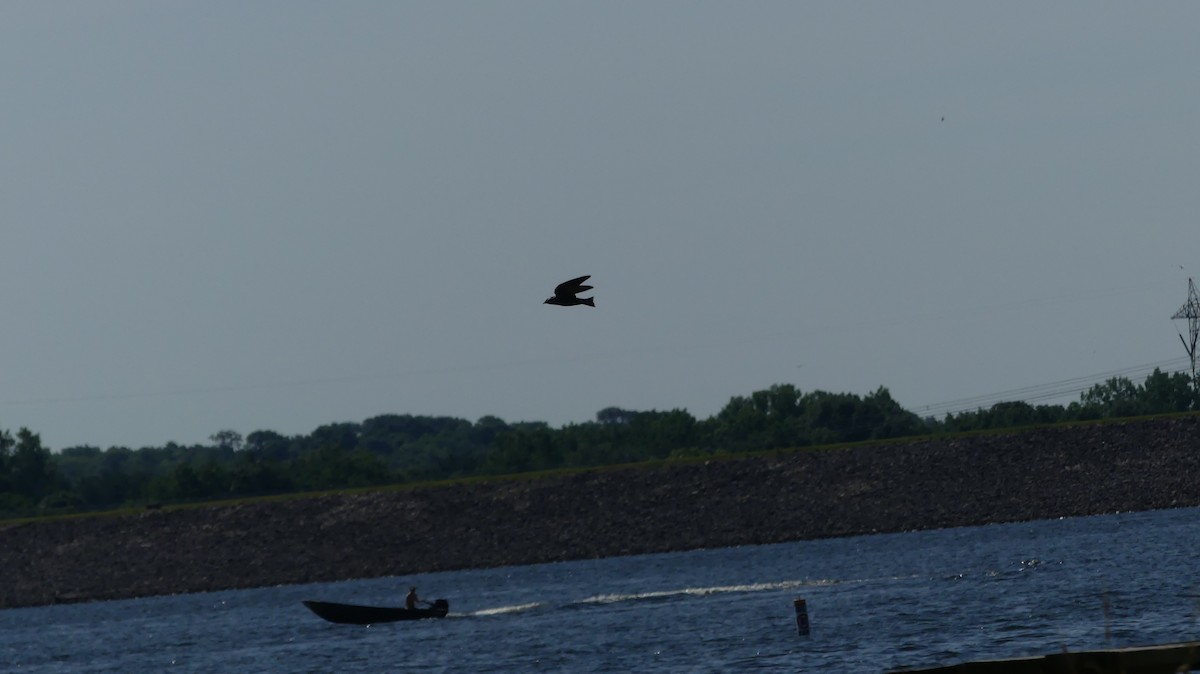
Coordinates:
x,y
591,301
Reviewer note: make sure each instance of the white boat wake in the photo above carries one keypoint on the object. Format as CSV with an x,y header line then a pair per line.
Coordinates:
x,y
615,598
705,591
501,610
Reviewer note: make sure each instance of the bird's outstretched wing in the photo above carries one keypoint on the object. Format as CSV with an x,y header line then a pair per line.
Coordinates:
x,y
572,287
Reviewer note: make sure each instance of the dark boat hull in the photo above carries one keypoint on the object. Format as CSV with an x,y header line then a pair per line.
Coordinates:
x,y
351,614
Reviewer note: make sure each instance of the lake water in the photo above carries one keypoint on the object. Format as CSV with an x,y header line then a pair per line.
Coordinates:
x,y
875,603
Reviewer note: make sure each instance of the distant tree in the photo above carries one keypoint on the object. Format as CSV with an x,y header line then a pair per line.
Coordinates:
x,y
1118,397
31,467
28,473
344,435
526,447
110,489
657,434
1017,413
227,440
484,433
1164,392
333,467
737,424
253,476
77,462
615,415
6,445
269,445
835,417
181,484
10,502
887,419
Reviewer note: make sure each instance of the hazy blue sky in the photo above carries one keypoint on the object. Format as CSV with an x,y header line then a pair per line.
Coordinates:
x,y
276,215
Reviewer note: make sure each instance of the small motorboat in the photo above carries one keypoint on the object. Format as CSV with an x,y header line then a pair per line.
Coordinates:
x,y
351,614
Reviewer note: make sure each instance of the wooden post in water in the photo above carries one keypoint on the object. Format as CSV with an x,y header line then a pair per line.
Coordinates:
x,y
801,617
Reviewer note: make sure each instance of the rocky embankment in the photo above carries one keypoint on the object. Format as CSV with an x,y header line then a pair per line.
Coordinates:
x,y
1036,474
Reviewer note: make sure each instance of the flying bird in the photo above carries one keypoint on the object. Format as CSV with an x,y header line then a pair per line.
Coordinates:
x,y
565,293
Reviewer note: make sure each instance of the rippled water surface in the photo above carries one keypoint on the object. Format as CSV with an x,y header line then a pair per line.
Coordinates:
x,y
875,603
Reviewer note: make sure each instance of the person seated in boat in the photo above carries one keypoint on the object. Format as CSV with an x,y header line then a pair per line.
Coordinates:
x,y
411,601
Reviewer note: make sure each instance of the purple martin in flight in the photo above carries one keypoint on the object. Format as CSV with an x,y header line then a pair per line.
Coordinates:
x,y
565,293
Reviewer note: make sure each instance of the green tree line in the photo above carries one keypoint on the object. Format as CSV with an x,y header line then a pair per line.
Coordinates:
x,y
401,448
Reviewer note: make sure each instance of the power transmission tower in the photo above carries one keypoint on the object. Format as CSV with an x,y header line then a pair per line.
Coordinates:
x,y
1191,311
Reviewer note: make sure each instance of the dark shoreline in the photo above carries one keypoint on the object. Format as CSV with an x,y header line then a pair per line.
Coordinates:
x,y
1143,464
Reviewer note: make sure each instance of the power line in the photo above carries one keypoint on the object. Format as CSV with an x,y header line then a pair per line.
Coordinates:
x,y
1048,391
